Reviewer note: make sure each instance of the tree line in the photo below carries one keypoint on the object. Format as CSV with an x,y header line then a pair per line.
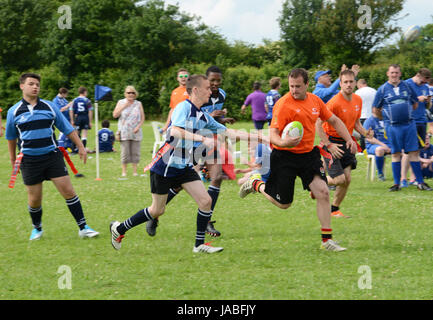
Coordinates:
x,y
116,43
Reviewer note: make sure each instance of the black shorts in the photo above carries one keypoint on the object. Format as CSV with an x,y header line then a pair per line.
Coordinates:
x,y
161,185
36,169
286,166
338,165
82,123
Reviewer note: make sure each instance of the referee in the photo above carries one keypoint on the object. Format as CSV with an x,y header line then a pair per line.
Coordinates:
x,y
30,126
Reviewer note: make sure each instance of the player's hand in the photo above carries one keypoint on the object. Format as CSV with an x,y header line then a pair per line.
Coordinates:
x,y
290,142
370,134
423,98
335,151
352,146
356,69
217,113
228,120
82,152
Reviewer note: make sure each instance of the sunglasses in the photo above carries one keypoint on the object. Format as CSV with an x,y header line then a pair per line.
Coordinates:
x,y
131,93
183,76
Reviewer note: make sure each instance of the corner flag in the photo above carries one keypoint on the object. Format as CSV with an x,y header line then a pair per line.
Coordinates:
x,y
103,93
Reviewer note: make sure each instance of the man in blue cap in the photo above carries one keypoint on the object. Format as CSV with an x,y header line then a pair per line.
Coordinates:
x,y
325,89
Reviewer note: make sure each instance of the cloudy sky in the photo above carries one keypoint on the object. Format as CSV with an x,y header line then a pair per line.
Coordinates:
x,y
253,20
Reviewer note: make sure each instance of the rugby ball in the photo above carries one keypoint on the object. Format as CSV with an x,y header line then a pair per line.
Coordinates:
x,y
411,33
293,129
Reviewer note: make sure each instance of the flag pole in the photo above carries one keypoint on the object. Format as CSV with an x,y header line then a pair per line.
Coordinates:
x,y
97,141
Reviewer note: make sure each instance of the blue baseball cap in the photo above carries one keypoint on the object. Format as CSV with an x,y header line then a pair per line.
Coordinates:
x,y
321,73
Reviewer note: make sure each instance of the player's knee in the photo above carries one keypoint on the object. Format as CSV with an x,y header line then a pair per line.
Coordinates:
x,y
379,152
284,206
341,179
205,202
322,194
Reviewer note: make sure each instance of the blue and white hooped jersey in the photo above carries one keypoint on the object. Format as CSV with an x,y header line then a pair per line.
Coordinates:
x,y
396,102
81,106
188,117
215,103
420,90
271,99
34,126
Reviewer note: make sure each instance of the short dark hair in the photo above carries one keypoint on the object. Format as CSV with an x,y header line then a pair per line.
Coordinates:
x,y
275,82
347,72
213,69
24,77
424,72
105,124
181,70
257,85
63,90
299,72
81,90
394,65
194,81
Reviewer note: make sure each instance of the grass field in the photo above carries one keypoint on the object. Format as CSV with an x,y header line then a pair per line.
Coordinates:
x,y
268,253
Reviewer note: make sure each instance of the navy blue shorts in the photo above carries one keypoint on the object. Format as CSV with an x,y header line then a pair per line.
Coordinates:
x,y
403,137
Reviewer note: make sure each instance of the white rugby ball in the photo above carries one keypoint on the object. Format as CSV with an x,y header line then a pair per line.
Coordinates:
x,y
293,129
411,33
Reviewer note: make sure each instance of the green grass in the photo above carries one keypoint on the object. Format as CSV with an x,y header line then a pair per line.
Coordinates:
x,y
268,253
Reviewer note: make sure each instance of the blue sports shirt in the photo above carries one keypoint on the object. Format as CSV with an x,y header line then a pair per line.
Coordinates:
x,y
271,99
81,106
34,126
106,140
378,127
215,103
420,90
325,93
396,102
60,102
188,117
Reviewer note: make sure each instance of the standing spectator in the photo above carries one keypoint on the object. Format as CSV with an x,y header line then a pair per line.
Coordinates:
x,y
396,100
41,159
272,97
257,101
131,117
106,137
62,103
81,114
178,95
367,95
325,88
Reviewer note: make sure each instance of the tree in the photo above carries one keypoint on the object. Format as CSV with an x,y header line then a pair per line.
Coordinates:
x,y
297,24
350,31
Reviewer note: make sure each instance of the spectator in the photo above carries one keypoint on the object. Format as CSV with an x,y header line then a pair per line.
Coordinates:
x,y
131,116
106,137
272,97
257,101
426,155
61,102
367,95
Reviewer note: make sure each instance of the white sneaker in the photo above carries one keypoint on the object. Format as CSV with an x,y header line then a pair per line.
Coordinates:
x,y
116,238
331,245
87,232
247,187
206,248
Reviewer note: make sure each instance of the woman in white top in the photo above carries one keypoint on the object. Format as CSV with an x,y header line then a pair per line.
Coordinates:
x,y
131,117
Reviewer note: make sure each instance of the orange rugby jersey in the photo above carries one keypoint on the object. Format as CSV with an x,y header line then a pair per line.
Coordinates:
x,y
348,111
177,96
307,111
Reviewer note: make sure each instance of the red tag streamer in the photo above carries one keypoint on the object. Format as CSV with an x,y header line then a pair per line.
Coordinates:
x,y
15,170
68,160
167,147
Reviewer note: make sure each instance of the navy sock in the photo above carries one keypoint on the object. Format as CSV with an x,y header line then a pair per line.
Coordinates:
x,y
74,206
171,195
36,216
334,208
202,221
214,193
417,171
140,217
396,172
379,164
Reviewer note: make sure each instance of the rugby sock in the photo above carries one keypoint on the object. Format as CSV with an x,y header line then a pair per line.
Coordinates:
x,y
417,171
396,172
202,221
326,234
334,208
84,142
74,206
36,215
171,195
379,164
214,193
257,184
140,217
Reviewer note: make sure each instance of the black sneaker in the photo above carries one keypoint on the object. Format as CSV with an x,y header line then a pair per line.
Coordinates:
x,y
394,188
424,186
151,226
210,229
